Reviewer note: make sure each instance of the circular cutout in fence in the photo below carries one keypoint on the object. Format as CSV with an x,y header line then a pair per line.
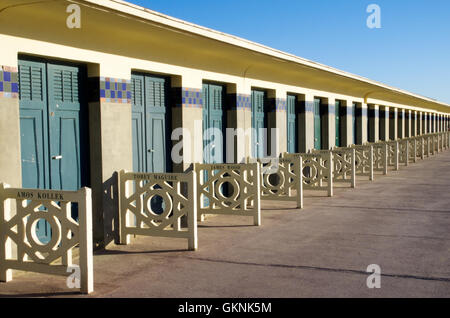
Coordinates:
x,y
35,223
274,179
227,190
309,171
220,191
158,204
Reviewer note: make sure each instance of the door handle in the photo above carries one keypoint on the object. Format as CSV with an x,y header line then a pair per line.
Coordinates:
x,y
57,157
151,150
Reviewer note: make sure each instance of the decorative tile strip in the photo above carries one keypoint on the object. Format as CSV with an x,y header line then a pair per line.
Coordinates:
x,y
113,90
243,102
280,105
191,97
9,82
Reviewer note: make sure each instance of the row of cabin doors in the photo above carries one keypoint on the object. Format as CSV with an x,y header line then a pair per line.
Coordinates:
x,y
53,129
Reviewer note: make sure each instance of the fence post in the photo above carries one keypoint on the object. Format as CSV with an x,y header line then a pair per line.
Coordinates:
x,y
85,226
192,217
407,153
124,218
415,150
422,149
257,217
385,158
372,177
5,245
353,157
300,183
396,156
330,174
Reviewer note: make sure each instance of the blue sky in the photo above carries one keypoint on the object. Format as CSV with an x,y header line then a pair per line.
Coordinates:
x,y
411,50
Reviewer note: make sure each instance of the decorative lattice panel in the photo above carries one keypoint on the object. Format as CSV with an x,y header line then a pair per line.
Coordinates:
x,y
19,230
281,179
403,152
380,157
392,147
427,146
420,148
230,189
317,172
344,165
412,149
364,161
154,204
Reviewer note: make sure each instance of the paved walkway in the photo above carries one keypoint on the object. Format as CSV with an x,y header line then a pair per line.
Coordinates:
x,y
400,222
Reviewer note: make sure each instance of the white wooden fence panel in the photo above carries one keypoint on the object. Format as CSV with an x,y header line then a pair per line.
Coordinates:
x,y
317,170
245,181
54,257
364,160
177,193
288,185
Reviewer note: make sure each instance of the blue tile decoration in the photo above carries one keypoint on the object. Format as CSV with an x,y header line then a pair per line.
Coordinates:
x,y
191,97
243,102
9,82
114,90
309,106
280,105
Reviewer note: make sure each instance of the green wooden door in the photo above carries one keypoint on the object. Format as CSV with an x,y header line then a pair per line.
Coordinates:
x,y
258,122
317,125
149,123
54,142
337,117
213,123
292,142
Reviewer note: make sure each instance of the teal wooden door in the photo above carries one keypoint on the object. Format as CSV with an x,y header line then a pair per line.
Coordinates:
x,y
213,117
292,141
64,124
337,117
258,122
354,123
149,123
138,123
317,125
53,145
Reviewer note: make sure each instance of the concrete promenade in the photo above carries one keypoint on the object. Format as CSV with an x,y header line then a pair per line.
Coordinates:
x,y
400,222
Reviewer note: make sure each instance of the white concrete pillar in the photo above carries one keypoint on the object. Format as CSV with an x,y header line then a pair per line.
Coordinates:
x,y
306,125
361,123
408,119
374,123
414,124
347,122
401,124
384,123
330,141
393,123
